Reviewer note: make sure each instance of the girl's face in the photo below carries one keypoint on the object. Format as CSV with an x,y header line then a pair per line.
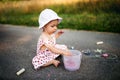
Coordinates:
x,y
51,27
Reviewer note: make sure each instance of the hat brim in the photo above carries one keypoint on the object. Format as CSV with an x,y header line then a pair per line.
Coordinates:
x,y
59,21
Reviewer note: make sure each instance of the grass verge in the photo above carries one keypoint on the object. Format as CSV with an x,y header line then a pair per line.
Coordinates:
x,y
95,15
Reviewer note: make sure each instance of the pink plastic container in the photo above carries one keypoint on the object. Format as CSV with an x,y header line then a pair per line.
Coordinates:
x,y
72,63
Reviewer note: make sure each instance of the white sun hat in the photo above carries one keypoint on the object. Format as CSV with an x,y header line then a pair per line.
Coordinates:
x,y
46,16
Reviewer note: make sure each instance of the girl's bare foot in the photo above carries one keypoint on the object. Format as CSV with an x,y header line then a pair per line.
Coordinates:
x,y
56,63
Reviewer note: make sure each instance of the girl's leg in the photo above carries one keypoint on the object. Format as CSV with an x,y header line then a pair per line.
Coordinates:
x,y
54,62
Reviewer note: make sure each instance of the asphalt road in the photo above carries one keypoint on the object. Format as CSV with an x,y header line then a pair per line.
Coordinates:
x,y
18,47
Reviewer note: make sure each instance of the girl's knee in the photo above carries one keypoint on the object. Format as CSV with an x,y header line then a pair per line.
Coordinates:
x,y
64,47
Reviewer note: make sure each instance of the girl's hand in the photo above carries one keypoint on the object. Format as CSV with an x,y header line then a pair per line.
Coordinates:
x,y
59,33
68,53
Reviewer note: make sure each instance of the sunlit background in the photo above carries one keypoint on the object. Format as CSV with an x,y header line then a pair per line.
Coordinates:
x,y
95,15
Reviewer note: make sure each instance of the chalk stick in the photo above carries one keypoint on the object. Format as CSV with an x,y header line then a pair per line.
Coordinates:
x,y
20,71
100,42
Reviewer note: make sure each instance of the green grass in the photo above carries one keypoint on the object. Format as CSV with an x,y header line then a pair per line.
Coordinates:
x,y
87,21
96,16
29,19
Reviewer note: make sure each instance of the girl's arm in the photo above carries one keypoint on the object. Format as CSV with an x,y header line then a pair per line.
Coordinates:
x,y
58,34
56,50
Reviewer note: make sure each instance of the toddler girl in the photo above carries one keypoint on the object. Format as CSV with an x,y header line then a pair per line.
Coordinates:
x,y
47,49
